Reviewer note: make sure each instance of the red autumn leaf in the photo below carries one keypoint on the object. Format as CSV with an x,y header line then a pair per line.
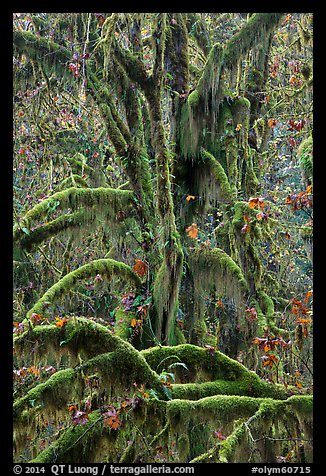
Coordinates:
x,y
245,228
251,314
140,267
308,295
220,304
261,216
218,434
114,422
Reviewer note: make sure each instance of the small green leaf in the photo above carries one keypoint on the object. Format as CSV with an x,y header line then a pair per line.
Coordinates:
x,y
178,364
25,231
167,392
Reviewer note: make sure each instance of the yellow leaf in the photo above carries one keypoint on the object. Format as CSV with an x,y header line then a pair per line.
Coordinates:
x,y
190,197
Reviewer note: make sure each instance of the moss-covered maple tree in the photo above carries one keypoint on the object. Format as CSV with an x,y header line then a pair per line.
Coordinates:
x,y
153,322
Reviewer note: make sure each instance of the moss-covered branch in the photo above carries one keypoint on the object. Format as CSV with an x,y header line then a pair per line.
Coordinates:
x,y
106,268
107,200
257,27
25,41
225,273
79,336
60,224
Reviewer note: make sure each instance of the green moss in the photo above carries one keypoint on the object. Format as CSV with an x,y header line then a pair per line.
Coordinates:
x,y
305,156
250,35
106,268
74,444
202,366
63,224
54,394
199,114
107,201
79,336
224,192
215,269
123,324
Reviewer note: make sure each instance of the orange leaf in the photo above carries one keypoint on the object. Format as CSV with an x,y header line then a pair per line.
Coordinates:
x,y
114,422
140,267
308,295
61,321
190,197
192,231
133,322
272,123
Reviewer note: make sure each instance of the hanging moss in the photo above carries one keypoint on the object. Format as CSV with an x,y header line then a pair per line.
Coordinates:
x,y
74,444
73,180
62,224
219,270
104,267
117,371
250,35
53,57
306,233
108,201
199,114
223,191
78,336
305,157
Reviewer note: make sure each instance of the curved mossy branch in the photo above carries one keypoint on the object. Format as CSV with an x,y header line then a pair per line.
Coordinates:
x,y
250,385
104,267
218,374
53,57
223,270
108,200
39,47
226,194
80,336
69,447
60,224
117,370
196,27
270,413
257,27
199,361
